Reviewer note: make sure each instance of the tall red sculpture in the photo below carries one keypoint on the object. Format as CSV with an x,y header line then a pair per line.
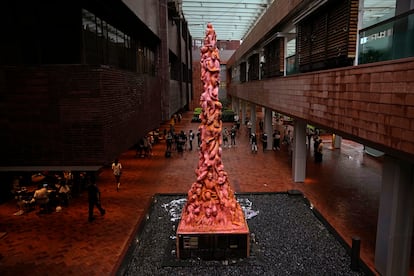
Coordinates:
x,y
211,206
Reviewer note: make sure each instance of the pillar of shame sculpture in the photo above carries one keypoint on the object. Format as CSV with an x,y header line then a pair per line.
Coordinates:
x,y
211,205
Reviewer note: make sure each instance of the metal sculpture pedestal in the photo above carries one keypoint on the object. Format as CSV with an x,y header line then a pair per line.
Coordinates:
x,y
213,245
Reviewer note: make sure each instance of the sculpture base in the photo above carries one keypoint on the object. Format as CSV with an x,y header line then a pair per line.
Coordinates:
x,y
213,245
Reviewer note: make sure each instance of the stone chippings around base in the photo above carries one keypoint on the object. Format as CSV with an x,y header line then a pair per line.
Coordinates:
x,y
286,239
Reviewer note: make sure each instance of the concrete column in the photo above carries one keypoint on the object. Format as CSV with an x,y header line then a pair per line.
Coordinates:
x,y
243,116
299,151
268,128
395,218
336,141
253,116
233,104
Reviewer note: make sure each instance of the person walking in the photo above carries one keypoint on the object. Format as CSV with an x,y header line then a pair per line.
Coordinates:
x,y
117,170
94,199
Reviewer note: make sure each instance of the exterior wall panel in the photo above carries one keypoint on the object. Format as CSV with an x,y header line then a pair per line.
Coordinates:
x,y
73,115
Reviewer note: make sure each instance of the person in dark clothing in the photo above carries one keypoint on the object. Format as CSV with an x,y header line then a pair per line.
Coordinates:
x,y
190,139
94,199
264,141
276,140
318,153
253,141
315,149
198,138
233,136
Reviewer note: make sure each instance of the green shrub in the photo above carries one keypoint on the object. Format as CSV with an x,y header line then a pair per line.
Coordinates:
x,y
197,110
196,114
227,115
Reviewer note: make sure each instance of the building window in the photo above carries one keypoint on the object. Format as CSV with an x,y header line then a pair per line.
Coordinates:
x,y
105,44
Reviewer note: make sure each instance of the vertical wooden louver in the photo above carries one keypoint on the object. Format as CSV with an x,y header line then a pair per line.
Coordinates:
x,y
273,53
243,69
254,67
327,38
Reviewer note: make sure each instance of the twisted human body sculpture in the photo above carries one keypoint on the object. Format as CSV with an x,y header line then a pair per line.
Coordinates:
x,y
211,204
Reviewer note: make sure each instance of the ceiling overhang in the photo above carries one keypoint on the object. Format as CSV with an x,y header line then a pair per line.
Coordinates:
x,y
231,19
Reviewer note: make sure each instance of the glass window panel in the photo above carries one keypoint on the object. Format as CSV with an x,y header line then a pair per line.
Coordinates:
x,y
375,11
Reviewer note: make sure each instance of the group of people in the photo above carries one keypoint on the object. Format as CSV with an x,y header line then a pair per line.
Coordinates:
x,y
232,134
177,141
144,147
286,139
53,190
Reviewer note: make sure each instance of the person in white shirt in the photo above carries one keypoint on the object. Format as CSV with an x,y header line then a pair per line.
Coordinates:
x,y
117,170
40,193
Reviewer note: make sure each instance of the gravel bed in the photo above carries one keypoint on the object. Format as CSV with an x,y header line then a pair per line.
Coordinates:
x,y
286,239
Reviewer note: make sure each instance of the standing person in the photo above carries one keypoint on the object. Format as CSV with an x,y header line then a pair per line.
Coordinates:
x,y
117,170
94,199
254,143
319,154
63,193
225,137
315,143
233,136
276,140
169,141
191,138
249,128
309,134
264,140
198,139
237,121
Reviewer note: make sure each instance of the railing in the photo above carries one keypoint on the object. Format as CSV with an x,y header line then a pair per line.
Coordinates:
x,y
388,40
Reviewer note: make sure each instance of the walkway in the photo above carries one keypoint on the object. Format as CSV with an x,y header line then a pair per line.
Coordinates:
x,y
344,188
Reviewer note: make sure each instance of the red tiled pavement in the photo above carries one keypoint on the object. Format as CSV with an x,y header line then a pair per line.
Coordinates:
x,y
344,188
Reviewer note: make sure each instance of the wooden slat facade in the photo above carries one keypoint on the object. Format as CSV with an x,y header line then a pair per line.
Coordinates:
x,y
273,53
254,67
243,71
326,38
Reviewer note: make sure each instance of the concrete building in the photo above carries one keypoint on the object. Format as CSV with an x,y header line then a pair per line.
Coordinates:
x,y
83,81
